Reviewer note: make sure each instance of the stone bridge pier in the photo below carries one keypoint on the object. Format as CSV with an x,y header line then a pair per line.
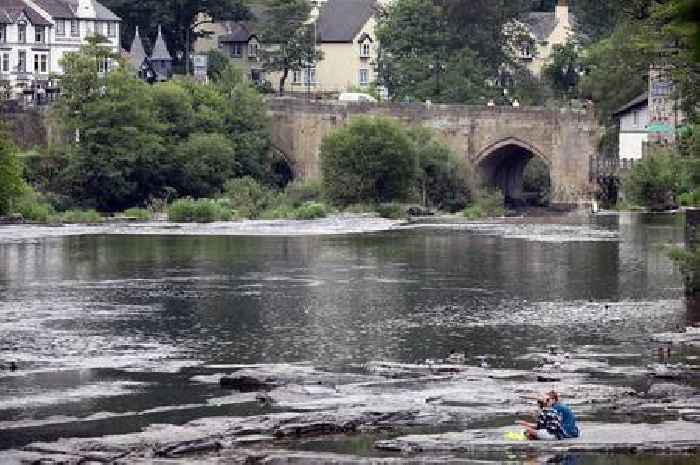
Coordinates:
x,y
497,141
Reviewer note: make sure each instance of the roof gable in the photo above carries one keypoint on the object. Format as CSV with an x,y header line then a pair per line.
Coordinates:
x,y
637,102
12,11
342,20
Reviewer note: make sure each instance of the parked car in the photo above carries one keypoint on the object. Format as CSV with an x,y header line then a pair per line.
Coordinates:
x,y
356,97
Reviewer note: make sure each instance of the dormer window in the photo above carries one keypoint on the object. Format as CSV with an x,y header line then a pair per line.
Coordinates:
x,y
22,33
365,50
253,49
39,34
365,42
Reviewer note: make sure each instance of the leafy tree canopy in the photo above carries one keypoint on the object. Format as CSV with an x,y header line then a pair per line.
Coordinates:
x,y
369,160
288,38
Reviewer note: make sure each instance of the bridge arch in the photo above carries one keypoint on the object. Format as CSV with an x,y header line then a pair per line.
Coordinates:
x,y
502,165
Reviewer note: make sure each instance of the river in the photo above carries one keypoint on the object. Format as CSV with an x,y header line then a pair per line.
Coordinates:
x,y
116,332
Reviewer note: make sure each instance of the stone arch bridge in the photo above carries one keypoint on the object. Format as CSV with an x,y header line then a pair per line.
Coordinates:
x,y
498,141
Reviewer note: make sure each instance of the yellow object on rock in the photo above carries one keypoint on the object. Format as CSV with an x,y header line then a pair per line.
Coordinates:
x,y
513,436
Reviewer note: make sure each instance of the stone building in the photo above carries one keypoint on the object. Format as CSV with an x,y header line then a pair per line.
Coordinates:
x,y
36,34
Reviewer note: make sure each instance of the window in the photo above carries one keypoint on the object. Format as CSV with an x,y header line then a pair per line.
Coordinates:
x,y
255,75
22,33
74,28
306,76
5,63
99,28
103,65
236,49
60,28
3,33
41,63
253,50
89,27
364,77
365,50
111,29
22,61
635,116
39,34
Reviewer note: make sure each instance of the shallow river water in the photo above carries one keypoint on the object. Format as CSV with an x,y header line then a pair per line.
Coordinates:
x,y
114,331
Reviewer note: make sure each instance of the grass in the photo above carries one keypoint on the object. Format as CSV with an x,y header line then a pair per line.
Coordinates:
x,y
199,211
81,217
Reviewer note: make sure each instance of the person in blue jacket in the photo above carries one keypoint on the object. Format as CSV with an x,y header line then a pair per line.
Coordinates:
x,y
569,428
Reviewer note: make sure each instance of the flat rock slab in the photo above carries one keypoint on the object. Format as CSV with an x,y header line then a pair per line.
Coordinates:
x,y
678,436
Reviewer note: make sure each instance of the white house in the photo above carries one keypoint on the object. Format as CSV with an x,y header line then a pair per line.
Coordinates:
x,y
634,120
35,34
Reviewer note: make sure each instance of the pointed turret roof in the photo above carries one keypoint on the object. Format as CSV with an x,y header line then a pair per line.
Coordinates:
x,y
160,51
137,54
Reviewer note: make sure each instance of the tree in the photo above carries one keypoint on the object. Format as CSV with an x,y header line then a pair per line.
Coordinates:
x,y
207,162
288,38
216,64
617,69
656,180
562,70
425,55
445,180
11,182
369,160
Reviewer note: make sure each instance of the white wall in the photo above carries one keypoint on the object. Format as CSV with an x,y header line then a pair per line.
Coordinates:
x,y
633,133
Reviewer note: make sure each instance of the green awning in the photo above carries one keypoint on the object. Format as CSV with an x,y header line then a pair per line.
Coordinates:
x,y
659,128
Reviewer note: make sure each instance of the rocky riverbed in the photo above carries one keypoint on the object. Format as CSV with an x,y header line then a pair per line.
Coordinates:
x,y
432,412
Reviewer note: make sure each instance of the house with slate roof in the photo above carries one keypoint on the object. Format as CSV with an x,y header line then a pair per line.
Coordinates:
x,y
345,33
546,29
35,35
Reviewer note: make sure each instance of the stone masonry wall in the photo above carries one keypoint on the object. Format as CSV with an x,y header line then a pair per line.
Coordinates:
x,y
565,139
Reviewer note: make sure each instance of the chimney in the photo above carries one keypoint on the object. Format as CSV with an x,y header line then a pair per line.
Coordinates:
x,y
561,12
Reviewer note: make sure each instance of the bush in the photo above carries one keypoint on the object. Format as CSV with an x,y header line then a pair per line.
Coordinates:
x,y
199,211
487,204
248,197
11,183
445,181
81,217
33,207
690,199
369,160
654,180
310,211
300,192
137,213
392,211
